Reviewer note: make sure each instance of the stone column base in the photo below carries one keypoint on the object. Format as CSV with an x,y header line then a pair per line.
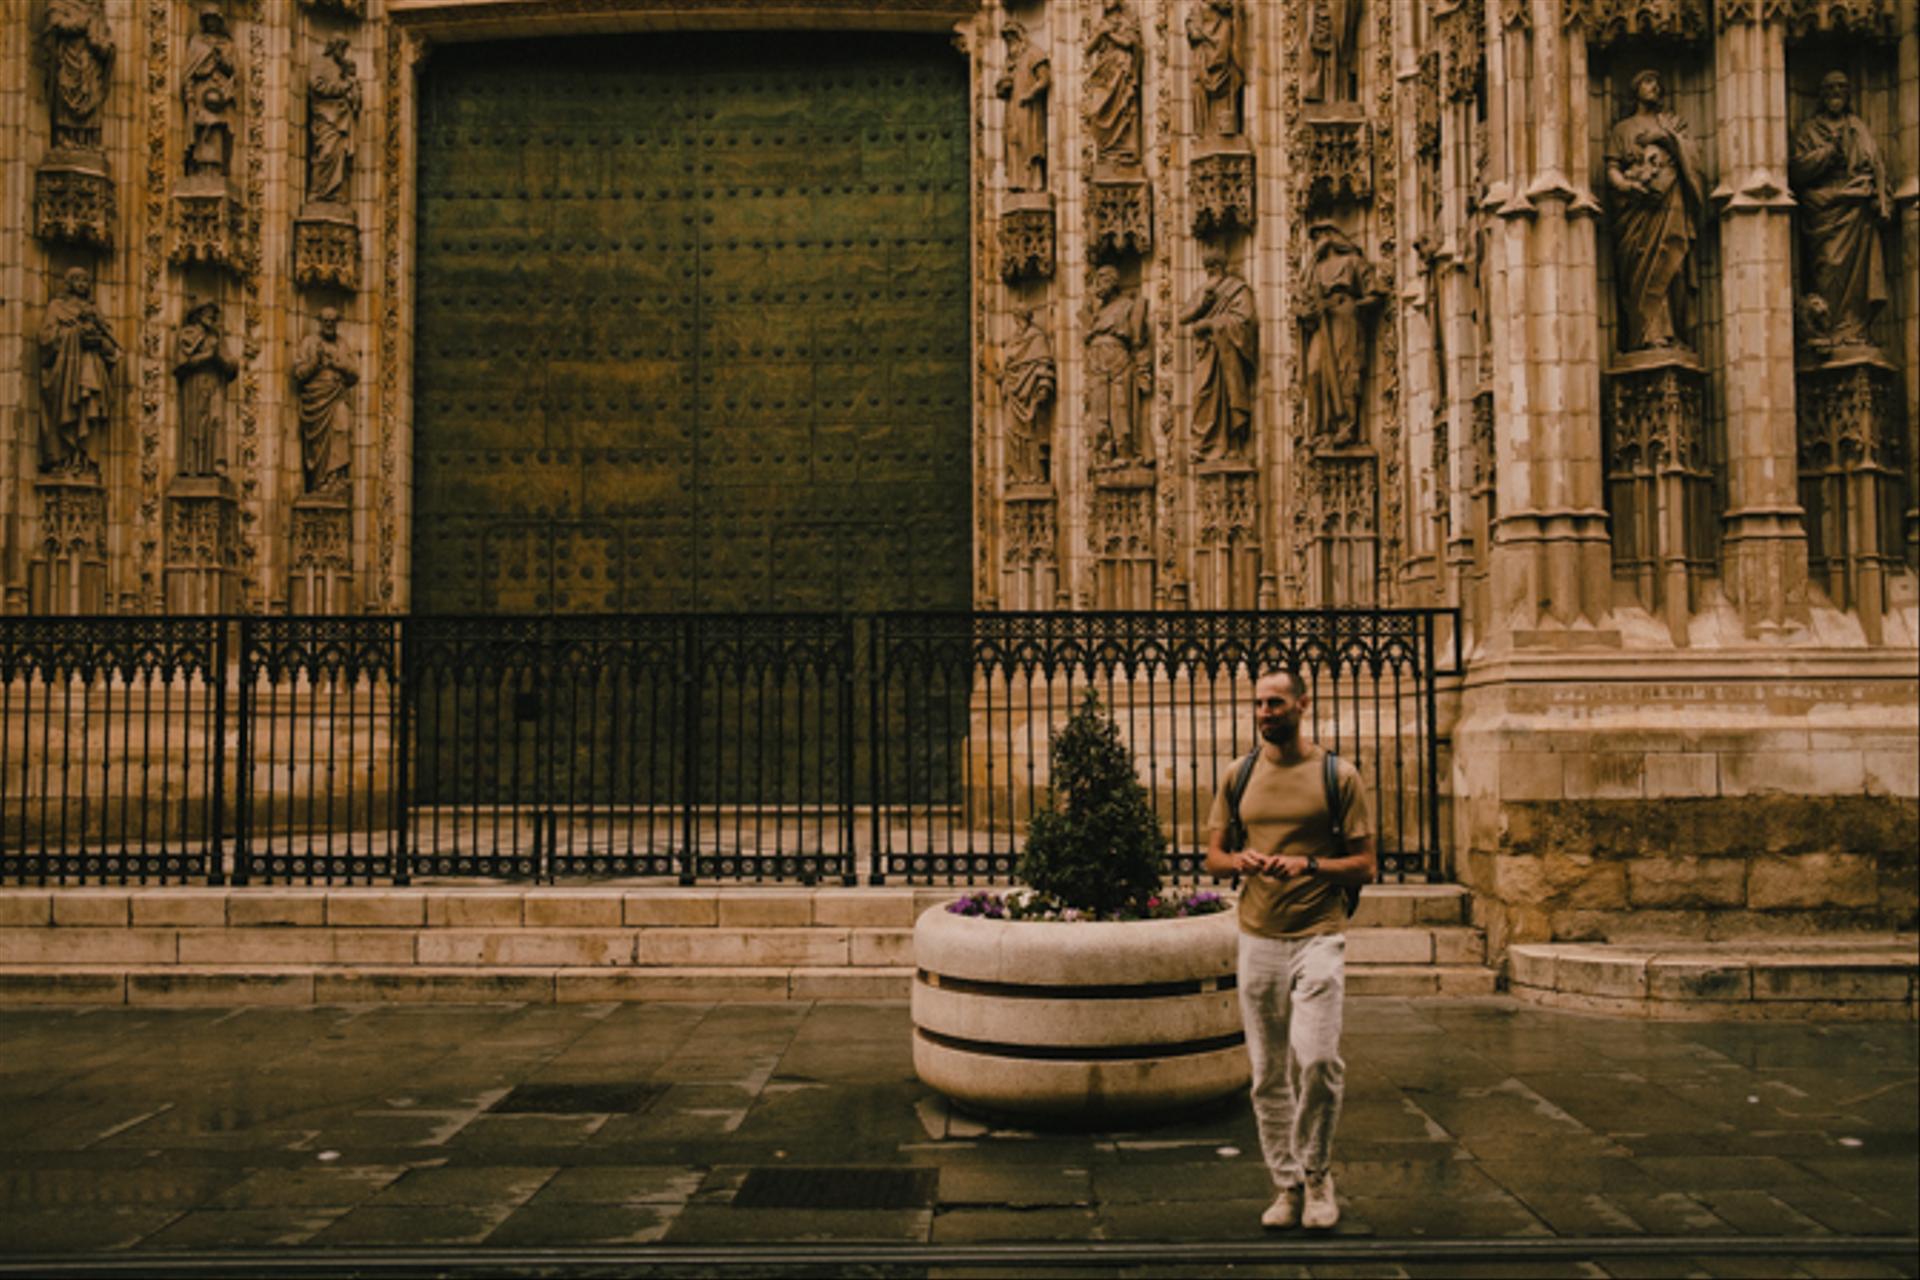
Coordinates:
x,y
73,200
69,569
202,550
1030,553
1122,536
320,576
1026,238
1227,559
208,224
1119,214
1220,184
326,247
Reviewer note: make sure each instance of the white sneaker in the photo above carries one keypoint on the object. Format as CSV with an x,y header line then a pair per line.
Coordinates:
x,y
1322,1209
1284,1212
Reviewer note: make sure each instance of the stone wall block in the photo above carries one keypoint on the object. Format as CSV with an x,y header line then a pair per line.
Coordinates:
x,y
1892,773
1682,773
186,987
1604,775
1683,881
1812,880
20,908
106,909
880,947
378,908
743,947
682,908
1681,978
89,946
295,946
766,908
869,909
181,908
289,908
572,910
1532,775
476,910
1797,773
555,948
1602,974
1801,979
1584,883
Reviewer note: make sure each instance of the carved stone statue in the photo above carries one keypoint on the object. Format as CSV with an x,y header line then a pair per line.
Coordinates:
x,y
1840,181
204,369
1226,336
208,91
325,372
77,358
1214,29
1333,34
333,108
1028,379
1336,294
1113,84
1025,85
79,52
1657,201
1119,371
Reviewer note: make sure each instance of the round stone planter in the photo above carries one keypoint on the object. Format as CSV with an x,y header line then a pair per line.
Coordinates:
x,y
1077,1023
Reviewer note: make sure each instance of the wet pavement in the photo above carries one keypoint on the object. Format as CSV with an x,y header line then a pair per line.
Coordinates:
x,y
1479,1138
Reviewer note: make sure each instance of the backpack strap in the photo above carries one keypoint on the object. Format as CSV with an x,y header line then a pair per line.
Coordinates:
x,y
1236,835
1330,771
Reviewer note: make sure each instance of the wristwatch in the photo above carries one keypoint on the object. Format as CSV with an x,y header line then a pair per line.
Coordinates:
x,y
1313,865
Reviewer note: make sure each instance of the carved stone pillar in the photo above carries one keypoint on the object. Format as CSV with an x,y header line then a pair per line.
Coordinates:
x,y
1659,481
1227,558
1550,575
1121,532
1030,558
73,200
1336,151
320,576
69,570
1765,541
1851,480
1906,203
1220,177
1345,567
326,247
1026,237
203,555
1119,214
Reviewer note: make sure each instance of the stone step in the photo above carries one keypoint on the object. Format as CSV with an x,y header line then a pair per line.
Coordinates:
x,y
1866,976
209,984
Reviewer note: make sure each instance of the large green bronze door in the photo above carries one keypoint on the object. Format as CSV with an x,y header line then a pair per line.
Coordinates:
x,y
692,326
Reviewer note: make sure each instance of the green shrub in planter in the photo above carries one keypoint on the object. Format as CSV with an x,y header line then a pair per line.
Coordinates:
x,y
1097,845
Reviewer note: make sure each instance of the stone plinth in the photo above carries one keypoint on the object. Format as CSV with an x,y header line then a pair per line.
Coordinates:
x,y
1852,478
1660,480
1345,484
1227,559
1030,557
208,224
1122,536
320,578
69,570
1000,1007
1335,148
1026,238
73,200
1220,185
203,552
326,247
1119,214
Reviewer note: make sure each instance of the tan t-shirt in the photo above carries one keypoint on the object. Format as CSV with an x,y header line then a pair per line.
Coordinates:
x,y
1285,811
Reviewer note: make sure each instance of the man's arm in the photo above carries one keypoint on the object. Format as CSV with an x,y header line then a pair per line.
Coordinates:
x,y
1244,862
1357,867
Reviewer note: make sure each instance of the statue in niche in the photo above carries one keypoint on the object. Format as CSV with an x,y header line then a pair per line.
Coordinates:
x,y
1114,58
1333,35
1227,341
208,91
1657,199
1214,31
79,52
1840,181
1028,378
1119,371
325,373
333,108
1025,85
1337,292
77,358
204,368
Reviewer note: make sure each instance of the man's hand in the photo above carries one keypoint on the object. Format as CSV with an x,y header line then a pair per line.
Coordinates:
x,y
1248,863
1289,864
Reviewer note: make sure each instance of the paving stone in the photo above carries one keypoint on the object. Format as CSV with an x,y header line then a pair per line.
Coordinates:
x,y
976,1225
24,1231
343,1187
539,1224
1023,1187
620,1184
224,1229
413,1225
722,1223
500,1185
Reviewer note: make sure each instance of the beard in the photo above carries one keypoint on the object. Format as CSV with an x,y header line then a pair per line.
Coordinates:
x,y
1280,733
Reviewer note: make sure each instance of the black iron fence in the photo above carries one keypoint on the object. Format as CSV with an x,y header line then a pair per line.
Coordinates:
x,y
804,748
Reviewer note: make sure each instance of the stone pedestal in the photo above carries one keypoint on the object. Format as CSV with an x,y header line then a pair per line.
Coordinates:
x,y
203,552
69,570
208,224
320,572
1227,555
326,247
1119,213
1346,528
1852,478
1030,555
1660,481
1335,152
1220,186
73,200
1121,533
1026,237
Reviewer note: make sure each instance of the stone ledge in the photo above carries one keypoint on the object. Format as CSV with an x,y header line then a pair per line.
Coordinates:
x,y
1838,978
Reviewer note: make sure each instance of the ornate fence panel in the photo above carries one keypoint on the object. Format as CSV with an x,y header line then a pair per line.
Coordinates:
x,y
694,747
112,749
963,783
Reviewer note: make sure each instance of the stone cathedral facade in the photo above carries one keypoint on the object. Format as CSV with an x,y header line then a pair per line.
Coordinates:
x,y
1595,319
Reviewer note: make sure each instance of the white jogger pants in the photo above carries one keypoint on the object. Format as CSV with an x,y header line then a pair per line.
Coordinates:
x,y
1291,995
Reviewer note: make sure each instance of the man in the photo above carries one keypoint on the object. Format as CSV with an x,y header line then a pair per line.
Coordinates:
x,y
1025,85
1213,29
1028,382
1292,944
1657,198
1119,371
325,373
79,50
333,106
1336,293
209,90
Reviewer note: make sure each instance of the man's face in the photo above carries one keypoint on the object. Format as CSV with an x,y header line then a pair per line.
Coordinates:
x,y
329,324
1105,284
1833,96
79,285
1647,88
1277,709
